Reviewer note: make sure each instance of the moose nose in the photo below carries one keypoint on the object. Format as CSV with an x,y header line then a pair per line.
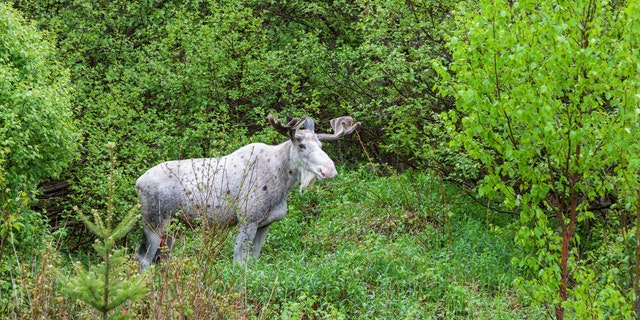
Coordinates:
x,y
328,172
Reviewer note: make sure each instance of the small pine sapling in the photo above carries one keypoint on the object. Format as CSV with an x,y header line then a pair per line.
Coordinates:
x,y
109,284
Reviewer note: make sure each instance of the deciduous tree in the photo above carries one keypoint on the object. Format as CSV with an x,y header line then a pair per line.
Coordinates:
x,y
548,104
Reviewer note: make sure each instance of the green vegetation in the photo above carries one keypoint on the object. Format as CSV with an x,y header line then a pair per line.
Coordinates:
x,y
37,139
108,285
495,174
547,102
393,247
382,250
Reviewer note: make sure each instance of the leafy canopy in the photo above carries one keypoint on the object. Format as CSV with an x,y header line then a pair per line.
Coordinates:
x,y
548,106
37,136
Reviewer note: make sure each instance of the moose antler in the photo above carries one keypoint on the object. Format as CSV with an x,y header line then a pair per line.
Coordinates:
x,y
289,130
341,126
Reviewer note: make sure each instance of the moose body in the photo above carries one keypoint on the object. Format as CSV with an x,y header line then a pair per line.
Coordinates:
x,y
248,187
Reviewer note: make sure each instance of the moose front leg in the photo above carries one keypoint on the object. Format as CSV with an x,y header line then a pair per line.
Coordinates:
x,y
276,213
246,235
258,241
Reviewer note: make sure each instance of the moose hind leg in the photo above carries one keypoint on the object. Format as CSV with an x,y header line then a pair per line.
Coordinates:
x,y
148,248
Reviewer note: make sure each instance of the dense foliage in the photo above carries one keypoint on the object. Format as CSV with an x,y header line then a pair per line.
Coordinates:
x,y
37,139
547,102
174,79
530,107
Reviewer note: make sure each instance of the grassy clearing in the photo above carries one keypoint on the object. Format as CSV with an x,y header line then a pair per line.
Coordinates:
x,y
402,246
358,247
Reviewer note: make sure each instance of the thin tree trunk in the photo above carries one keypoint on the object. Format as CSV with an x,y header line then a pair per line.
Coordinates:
x,y
636,280
563,279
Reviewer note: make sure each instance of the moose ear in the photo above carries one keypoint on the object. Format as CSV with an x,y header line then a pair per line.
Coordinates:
x,y
308,124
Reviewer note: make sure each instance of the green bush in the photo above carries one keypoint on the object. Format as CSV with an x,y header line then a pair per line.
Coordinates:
x,y
37,134
546,102
178,79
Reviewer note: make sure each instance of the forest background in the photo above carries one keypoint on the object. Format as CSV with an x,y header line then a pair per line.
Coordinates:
x,y
495,173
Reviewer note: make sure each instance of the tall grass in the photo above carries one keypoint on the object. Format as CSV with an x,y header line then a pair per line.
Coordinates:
x,y
401,246
362,246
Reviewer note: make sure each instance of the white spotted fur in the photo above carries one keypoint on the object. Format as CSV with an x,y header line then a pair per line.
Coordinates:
x,y
248,187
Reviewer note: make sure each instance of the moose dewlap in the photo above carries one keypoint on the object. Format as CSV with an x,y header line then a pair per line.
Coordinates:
x,y
249,187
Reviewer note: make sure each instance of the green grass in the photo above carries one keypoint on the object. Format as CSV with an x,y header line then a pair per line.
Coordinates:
x,y
366,247
361,246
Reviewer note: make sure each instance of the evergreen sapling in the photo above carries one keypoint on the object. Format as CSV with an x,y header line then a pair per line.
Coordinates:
x,y
108,285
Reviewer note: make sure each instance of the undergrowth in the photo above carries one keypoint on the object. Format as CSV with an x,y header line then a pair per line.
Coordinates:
x,y
365,245
395,247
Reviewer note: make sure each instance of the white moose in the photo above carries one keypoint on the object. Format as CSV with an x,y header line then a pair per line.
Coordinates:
x,y
249,187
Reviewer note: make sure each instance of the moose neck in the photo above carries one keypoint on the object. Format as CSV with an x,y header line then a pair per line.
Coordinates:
x,y
291,168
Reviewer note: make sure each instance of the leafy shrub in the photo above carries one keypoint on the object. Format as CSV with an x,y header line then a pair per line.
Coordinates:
x,y
179,79
37,138
545,102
